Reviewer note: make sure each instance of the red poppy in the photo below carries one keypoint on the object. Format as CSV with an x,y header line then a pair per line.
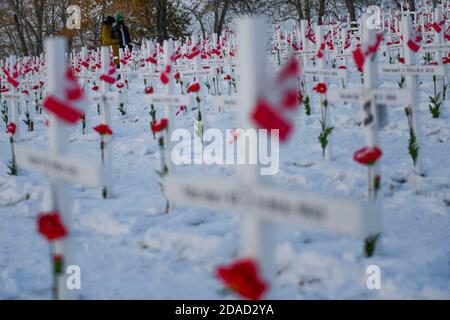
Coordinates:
x,y
181,109
149,90
41,83
164,78
51,226
159,126
291,99
177,76
343,67
242,276
321,88
367,155
35,87
433,63
120,85
103,129
25,92
4,89
227,77
401,60
11,128
126,81
95,88
446,60
195,87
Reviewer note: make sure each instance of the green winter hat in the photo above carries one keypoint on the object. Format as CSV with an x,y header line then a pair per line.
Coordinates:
x,y
119,17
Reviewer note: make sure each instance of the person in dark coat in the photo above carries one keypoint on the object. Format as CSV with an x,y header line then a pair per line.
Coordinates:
x,y
122,31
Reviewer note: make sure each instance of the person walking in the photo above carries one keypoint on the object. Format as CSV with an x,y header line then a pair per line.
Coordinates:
x,y
122,31
110,37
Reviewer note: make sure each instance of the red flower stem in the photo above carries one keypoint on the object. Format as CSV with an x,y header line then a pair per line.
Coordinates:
x,y
163,156
57,261
102,149
13,154
370,183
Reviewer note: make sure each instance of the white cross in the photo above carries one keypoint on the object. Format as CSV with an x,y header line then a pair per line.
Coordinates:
x,y
149,71
60,166
259,204
372,101
14,97
412,72
106,99
170,101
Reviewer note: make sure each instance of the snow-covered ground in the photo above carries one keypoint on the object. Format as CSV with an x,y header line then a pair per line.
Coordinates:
x,y
128,249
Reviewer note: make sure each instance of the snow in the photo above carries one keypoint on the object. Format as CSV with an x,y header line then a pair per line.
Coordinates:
x,y
128,248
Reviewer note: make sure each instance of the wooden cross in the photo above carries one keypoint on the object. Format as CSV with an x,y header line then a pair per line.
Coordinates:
x,y
56,162
260,204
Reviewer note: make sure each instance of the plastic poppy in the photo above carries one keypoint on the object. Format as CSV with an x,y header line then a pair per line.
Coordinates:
x,y
159,126
177,76
120,85
103,129
367,155
321,88
227,77
242,276
95,88
149,90
164,78
11,128
51,226
195,87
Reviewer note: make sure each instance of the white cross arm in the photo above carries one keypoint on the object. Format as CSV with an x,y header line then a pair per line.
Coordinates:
x,y
224,101
382,96
62,167
412,70
340,55
327,73
306,52
434,47
305,209
148,75
13,96
196,73
108,98
394,46
88,77
178,100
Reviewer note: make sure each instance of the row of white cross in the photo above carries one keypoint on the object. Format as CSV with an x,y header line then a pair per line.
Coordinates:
x,y
257,201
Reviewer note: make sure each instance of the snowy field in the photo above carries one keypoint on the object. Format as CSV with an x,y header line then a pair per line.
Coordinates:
x,y
128,249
